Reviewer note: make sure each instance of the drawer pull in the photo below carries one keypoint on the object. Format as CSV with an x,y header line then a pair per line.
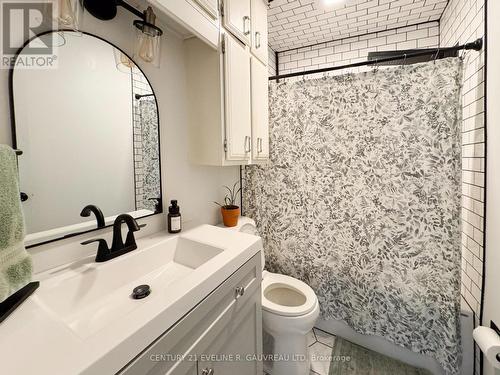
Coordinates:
x,y
239,292
259,145
248,141
207,371
246,21
257,39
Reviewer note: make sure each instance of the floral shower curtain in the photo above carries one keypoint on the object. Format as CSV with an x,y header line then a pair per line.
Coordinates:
x,y
361,200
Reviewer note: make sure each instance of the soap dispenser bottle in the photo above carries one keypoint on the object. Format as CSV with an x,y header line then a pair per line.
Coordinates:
x,y
174,217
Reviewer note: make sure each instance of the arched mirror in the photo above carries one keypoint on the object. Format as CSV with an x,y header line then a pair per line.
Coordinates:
x,y
88,129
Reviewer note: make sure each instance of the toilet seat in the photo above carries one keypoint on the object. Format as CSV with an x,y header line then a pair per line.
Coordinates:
x,y
286,296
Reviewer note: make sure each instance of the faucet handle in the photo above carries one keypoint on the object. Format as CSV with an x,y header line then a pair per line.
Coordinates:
x,y
103,245
100,240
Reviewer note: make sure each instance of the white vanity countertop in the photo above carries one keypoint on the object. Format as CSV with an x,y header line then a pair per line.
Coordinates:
x,y
35,339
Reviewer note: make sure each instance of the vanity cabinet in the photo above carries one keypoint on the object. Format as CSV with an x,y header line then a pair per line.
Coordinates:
x,y
236,18
222,334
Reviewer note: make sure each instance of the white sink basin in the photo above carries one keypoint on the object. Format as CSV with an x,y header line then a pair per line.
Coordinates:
x,y
94,295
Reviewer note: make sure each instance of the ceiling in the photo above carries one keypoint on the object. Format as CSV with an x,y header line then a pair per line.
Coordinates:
x,y
299,23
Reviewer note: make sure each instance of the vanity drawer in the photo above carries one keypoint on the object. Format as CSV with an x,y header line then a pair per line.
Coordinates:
x,y
176,351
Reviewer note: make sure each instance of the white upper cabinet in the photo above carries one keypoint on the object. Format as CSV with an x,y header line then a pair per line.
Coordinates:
x,y
236,18
260,111
228,89
237,99
259,29
191,17
210,6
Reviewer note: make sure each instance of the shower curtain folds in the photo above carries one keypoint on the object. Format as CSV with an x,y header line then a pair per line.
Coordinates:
x,y
361,200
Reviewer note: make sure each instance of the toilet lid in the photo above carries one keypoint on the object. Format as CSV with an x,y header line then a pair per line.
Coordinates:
x,y
284,295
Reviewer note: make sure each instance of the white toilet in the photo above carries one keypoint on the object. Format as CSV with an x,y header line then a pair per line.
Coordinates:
x,y
289,310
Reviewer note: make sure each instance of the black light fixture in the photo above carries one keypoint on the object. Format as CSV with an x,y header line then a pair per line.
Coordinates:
x,y
147,38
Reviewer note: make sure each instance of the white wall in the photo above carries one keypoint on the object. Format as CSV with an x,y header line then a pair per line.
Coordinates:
x,y
83,131
195,187
491,298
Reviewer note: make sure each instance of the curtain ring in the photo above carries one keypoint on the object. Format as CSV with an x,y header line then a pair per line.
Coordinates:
x,y
463,53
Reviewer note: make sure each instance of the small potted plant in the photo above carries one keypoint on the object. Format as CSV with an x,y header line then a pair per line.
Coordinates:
x,y
230,211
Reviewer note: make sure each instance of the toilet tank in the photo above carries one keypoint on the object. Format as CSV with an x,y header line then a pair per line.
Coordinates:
x,y
246,225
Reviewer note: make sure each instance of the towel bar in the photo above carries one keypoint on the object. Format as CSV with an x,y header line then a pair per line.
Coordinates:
x,y
8,306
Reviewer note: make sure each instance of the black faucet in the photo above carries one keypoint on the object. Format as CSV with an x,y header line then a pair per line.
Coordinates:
x,y
87,210
117,247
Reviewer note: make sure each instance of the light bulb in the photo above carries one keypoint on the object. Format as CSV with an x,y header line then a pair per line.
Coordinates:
x,y
147,45
146,49
66,16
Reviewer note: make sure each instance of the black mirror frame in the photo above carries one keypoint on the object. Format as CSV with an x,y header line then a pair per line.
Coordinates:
x,y
13,126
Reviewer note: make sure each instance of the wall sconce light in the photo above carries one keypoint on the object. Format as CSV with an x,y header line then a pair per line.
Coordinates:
x,y
147,37
66,14
123,63
70,14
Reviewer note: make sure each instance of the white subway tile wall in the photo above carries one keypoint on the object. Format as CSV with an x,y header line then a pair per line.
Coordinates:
x,y
355,49
464,21
299,23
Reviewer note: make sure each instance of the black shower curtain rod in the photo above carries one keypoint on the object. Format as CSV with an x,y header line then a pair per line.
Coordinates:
x,y
477,45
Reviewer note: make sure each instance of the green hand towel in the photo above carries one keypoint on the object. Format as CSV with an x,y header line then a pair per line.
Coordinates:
x,y
16,266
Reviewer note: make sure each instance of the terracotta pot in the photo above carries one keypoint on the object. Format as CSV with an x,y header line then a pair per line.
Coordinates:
x,y
230,215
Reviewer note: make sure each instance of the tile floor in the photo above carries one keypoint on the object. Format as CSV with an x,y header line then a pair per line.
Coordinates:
x,y
320,349
361,360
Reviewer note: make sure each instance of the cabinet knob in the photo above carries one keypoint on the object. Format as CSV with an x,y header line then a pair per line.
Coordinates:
x,y
239,292
207,371
246,21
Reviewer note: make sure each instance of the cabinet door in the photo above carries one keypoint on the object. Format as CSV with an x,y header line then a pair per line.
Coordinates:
x,y
237,349
236,18
237,99
260,111
210,6
259,29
